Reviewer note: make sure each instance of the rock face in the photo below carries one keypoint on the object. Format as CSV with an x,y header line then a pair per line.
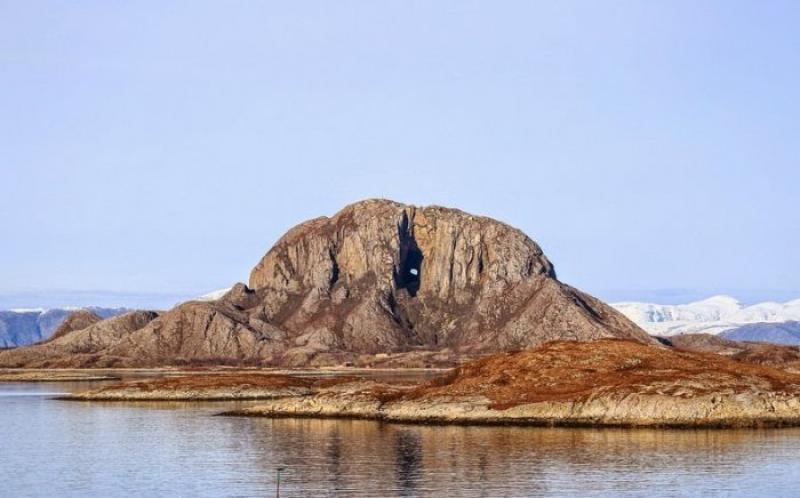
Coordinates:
x,y
77,320
383,276
606,382
19,328
379,277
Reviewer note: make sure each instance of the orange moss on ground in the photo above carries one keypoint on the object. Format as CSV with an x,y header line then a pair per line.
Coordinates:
x,y
575,371
775,355
770,354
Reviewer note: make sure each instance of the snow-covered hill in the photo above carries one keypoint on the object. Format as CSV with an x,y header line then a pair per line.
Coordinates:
x,y
713,315
20,327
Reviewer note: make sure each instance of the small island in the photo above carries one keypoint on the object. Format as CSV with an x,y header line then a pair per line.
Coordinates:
x,y
609,382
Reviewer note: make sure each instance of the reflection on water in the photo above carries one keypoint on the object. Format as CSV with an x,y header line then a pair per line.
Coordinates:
x,y
54,448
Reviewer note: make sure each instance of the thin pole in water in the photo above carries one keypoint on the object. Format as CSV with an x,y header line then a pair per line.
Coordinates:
x,y
278,484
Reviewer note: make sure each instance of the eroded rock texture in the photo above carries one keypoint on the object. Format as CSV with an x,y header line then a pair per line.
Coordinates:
x,y
77,320
380,277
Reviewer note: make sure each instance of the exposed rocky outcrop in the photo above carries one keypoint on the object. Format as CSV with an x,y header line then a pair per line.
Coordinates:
x,y
381,275
77,320
606,382
378,277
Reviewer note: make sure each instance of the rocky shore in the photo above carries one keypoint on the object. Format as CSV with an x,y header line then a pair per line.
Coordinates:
x,y
603,383
34,375
632,410
217,387
563,383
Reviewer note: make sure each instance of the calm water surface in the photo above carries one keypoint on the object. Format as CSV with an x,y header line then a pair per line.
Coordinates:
x,y
57,448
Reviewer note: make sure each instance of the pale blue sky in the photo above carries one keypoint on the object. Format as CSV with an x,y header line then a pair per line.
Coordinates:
x,y
162,147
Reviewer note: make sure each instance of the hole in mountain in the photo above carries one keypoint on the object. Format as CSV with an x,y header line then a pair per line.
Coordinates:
x,y
409,272
410,269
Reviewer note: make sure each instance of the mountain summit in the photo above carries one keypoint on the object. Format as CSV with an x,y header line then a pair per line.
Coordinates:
x,y
378,277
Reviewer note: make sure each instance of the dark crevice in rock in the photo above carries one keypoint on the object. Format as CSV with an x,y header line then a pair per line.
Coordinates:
x,y
411,269
334,270
409,272
580,301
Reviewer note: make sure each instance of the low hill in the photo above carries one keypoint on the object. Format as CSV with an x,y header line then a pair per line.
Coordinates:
x,y
605,382
21,327
774,355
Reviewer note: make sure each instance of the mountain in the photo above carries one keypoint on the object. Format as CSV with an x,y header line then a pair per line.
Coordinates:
x,y
20,327
77,320
713,315
379,277
777,333
78,347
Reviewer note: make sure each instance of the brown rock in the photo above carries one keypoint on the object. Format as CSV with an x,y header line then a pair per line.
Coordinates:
x,y
605,382
378,277
197,333
86,347
77,320
381,276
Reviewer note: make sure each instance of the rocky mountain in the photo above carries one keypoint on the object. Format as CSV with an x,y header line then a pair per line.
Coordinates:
x,y
777,333
713,315
379,277
77,320
79,347
20,327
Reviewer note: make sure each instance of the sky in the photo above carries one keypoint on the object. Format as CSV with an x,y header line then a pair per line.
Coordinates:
x,y
151,151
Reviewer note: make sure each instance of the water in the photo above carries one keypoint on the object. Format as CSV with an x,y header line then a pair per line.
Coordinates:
x,y
57,448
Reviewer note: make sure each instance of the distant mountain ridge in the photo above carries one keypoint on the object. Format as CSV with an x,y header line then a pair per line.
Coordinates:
x,y
777,333
24,326
714,315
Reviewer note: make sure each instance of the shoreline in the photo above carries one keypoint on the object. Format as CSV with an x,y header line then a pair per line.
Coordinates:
x,y
359,399
118,374
611,410
606,383
534,422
